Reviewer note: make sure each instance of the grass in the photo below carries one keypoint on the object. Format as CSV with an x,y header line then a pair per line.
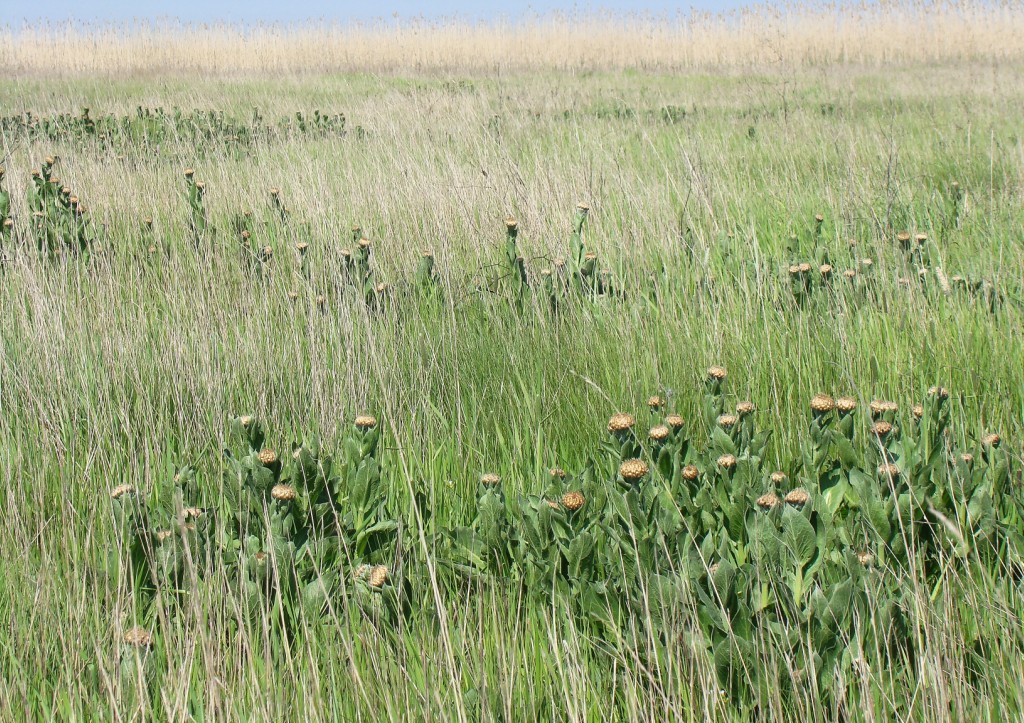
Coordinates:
x,y
115,369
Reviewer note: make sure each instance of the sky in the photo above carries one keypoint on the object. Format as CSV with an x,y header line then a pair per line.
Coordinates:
x,y
16,12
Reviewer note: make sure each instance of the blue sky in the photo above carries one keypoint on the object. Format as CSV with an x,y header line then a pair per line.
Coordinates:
x,y
14,12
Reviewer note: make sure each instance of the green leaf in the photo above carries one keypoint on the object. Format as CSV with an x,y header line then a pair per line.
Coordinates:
x,y
799,535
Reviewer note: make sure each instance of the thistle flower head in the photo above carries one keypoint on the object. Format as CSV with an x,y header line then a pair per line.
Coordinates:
x,y
674,421
572,501
621,422
283,493
489,479
247,420
655,402
557,472
267,457
302,247
921,238
727,421
991,440
745,408
778,477
846,404
938,392
805,268
865,558
659,433
768,501
633,469
121,490
825,270
727,461
881,429
866,263
797,497
690,472
716,373
822,404
365,421
903,237
189,172
378,575
192,513
849,273
138,638
881,406
917,410
553,504
888,471
589,256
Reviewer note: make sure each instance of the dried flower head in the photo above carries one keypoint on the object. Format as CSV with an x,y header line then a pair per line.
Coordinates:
x,y
365,421
865,558
656,402
122,490
301,247
778,477
881,429
489,479
633,469
727,461
805,268
247,420
553,504
572,501
138,638
797,497
163,535
866,263
716,373
727,421
192,513
690,472
849,273
921,238
825,270
846,404
991,440
621,422
675,421
189,172
283,493
361,572
745,408
267,457
378,575
794,269
881,406
659,433
888,471
557,472
967,458
768,501
938,392
364,243
903,237
822,404
917,410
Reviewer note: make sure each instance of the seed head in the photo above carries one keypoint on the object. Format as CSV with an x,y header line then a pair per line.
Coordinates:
x,y
382,287
797,497
267,457
552,504
917,410
633,469
589,256
716,373
283,493
121,490
778,477
822,403
189,172
727,421
656,402
805,268
302,247
247,420
727,461
794,269
572,501
621,422
364,243
938,392
260,556
866,263
865,558
888,471
967,458
659,433
293,295
365,421
745,408
321,301
880,406
849,273
267,253
690,473
675,421
846,404
489,479
881,429
903,237
361,572
557,473
162,535
275,191
192,513
921,238
825,270
138,638
992,440
378,575
768,501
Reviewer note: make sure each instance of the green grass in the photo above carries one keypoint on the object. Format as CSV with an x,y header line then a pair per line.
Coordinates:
x,y
114,369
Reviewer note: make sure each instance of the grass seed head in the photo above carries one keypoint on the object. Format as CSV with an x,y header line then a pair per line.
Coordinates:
x,y
557,472
917,410
938,392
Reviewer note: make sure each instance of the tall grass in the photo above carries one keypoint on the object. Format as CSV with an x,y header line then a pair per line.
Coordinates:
x,y
112,370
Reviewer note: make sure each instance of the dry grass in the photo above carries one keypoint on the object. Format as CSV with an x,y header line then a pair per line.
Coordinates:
x,y
792,36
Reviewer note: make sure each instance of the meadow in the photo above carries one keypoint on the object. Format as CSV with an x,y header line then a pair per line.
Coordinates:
x,y
673,375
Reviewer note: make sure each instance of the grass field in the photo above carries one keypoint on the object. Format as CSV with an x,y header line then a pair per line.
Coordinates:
x,y
140,329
